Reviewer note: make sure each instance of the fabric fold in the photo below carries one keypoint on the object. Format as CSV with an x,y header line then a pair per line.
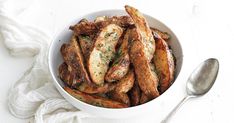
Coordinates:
x,y
34,94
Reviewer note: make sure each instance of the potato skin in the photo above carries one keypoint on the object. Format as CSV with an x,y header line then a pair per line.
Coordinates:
x,y
74,59
120,97
143,30
122,87
94,99
126,83
94,89
144,98
147,80
164,35
86,43
164,63
69,78
65,74
135,94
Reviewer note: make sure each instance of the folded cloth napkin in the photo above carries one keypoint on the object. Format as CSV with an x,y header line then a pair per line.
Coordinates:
x,y
33,95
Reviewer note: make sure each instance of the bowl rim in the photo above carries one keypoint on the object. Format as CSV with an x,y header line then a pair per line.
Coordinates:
x,y
128,109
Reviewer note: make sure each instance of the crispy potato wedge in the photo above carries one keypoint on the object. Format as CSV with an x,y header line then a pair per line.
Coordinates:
x,y
164,63
120,66
74,59
94,89
68,78
86,44
148,81
126,83
120,97
122,21
122,87
135,94
103,52
163,35
143,29
95,100
84,27
65,75
144,98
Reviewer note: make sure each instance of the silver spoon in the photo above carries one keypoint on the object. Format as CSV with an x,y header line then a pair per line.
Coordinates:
x,y
199,83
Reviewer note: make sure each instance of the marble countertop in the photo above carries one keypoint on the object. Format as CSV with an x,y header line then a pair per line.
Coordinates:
x,y
205,29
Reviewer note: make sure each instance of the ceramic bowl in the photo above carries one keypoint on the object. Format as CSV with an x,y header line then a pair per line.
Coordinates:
x,y
55,59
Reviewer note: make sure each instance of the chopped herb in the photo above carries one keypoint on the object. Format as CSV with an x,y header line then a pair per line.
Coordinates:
x,y
99,45
85,37
117,57
109,34
109,48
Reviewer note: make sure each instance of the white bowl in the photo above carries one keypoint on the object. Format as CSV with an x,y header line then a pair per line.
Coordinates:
x,y
55,59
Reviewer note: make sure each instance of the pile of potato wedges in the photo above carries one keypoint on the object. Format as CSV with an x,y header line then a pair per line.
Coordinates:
x,y
117,62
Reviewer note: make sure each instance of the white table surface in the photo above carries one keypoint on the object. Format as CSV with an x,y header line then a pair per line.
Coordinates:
x,y
205,29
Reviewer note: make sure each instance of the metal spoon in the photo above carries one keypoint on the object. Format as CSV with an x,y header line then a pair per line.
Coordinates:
x,y
199,83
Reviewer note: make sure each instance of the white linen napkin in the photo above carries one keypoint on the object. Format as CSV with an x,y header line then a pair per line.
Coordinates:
x,y
33,95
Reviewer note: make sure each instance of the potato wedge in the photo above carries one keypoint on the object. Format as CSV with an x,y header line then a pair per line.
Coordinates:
x,y
68,78
148,81
103,52
65,75
164,63
120,66
144,98
135,94
122,21
120,97
95,100
94,89
84,27
74,59
126,83
86,44
163,35
144,30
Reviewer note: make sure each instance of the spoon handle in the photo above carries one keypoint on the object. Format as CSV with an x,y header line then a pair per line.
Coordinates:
x,y
168,117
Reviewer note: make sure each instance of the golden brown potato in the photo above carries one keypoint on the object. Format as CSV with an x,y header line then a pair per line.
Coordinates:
x,y
163,35
95,100
144,31
94,89
144,98
126,83
86,44
120,97
135,94
164,63
122,87
68,78
74,59
84,27
65,74
103,52
147,80
120,66
122,21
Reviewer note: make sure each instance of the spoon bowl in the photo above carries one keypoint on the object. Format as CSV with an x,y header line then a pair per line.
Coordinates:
x,y
203,78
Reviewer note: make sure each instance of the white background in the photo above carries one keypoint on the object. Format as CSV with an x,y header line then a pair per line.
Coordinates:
x,y
205,29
